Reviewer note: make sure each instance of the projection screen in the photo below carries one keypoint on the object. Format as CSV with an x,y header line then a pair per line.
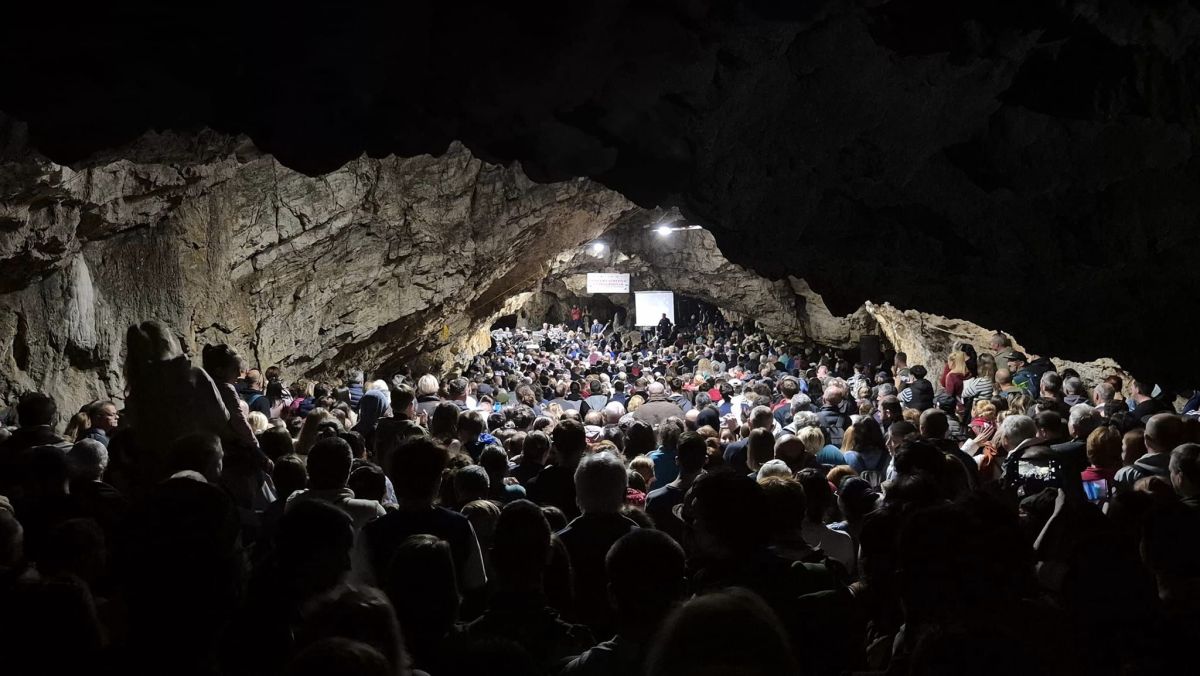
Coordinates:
x,y
649,307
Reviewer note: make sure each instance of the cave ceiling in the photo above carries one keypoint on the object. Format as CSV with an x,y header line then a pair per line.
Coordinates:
x,y
1023,164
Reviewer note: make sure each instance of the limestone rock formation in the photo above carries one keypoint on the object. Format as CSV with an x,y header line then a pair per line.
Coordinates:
x,y
1019,163
368,265
928,339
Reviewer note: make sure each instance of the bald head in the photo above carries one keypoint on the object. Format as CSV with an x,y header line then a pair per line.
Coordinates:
x,y
656,388
1164,432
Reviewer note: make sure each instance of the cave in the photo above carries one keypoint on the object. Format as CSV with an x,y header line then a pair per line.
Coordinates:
x,y
1025,170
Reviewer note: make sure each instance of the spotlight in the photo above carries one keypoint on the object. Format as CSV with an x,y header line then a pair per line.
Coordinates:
x,y
598,248
663,230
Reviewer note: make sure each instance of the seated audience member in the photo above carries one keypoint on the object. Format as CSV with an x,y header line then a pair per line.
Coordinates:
x,y
328,471
600,483
416,473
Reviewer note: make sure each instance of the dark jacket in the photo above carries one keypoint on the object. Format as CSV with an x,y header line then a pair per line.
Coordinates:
x,y
835,422
588,539
657,409
922,394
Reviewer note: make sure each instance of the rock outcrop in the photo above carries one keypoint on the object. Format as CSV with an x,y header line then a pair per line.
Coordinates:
x,y
928,339
1019,163
373,264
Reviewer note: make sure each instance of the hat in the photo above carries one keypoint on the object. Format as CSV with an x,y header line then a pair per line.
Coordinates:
x,y
1015,356
485,390
592,432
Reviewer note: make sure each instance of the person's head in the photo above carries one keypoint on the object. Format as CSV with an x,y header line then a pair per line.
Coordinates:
x,y
570,441
1103,393
289,475
222,363
404,401
1185,470
428,385
1051,385
456,389
999,343
785,504
934,424
521,545
275,442
1164,432
890,409
812,437
1003,377
88,459
644,467
656,388
200,453
329,464
727,514
642,595
1082,420
443,424
1014,430
313,543
470,425
918,372
600,483
104,416
898,433
868,435
423,587
471,483
416,469
1142,389
985,367
1104,447
35,409
690,453
1049,424
536,448
727,632
791,450
613,411
760,447
1133,445
357,613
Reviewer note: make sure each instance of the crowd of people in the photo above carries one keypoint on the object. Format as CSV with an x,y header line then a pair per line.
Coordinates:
x,y
576,500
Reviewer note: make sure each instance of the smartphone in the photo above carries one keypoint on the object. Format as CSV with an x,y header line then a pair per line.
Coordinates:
x,y
1097,491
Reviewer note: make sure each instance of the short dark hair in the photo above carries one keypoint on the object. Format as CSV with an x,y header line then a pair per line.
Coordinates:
x,y
416,468
569,437
36,408
918,371
402,397
691,452
329,463
1185,460
275,442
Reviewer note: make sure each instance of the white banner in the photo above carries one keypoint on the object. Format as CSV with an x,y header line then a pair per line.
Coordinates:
x,y
607,282
650,306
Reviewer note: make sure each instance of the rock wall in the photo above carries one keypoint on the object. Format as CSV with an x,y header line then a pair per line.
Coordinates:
x,y
377,262
928,339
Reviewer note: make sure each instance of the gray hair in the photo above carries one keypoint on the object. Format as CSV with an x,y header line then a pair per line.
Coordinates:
x,y
1073,385
600,483
804,419
1016,429
800,400
613,411
1083,420
656,387
1104,392
774,467
88,459
427,385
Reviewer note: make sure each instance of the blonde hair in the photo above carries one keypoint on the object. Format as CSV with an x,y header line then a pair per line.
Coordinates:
x,y
308,431
812,438
258,422
958,362
982,408
848,439
633,403
427,385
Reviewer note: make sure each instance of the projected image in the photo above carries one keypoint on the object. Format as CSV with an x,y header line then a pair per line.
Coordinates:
x,y
649,307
